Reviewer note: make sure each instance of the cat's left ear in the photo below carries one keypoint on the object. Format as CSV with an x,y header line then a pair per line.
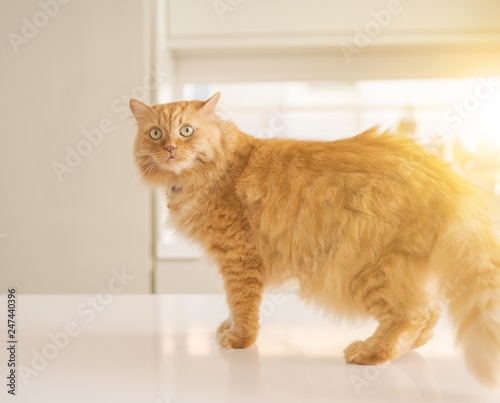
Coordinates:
x,y
209,106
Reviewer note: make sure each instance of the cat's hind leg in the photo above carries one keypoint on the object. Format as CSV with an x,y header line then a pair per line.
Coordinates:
x,y
390,291
427,332
394,337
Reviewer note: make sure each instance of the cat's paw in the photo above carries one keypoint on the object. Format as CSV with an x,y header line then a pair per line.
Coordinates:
x,y
424,337
229,340
359,353
223,326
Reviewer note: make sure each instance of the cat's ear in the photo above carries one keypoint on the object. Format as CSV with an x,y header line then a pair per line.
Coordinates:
x,y
209,106
141,111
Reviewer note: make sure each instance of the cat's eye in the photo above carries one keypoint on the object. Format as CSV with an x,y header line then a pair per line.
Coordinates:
x,y
155,133
187,130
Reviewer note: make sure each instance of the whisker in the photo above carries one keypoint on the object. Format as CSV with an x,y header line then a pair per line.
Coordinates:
x,y
133,178
150,169
138,174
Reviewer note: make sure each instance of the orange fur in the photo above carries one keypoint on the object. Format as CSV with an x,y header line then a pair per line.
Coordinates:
x,y
363,224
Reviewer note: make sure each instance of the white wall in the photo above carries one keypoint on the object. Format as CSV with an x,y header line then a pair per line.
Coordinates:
x,y
74,72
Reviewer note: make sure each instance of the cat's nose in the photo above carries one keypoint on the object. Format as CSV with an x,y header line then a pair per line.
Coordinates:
x,y
170,148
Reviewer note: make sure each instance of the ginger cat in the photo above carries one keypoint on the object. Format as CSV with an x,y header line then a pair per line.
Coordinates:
x,y
363,224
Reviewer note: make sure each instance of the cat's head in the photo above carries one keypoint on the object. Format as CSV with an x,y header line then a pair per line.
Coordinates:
x,y
175,138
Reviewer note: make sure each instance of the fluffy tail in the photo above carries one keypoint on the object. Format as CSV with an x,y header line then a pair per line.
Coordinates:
x,y
470,256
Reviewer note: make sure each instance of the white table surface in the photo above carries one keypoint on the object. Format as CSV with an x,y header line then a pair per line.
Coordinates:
x,y
159,349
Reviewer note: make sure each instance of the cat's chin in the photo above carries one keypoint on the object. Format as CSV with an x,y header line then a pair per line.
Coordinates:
x,y
174,166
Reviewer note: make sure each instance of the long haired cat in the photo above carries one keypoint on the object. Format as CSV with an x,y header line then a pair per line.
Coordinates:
x,y
364,225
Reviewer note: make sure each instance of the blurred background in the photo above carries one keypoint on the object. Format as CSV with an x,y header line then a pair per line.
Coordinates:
x,y
73,212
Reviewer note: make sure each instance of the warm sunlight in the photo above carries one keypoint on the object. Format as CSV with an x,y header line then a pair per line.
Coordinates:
x,y
497,189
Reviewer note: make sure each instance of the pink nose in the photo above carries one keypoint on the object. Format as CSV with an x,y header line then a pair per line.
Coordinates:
x,y
170,148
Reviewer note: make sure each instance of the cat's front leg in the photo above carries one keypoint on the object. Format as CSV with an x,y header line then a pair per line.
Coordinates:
x,y
244,284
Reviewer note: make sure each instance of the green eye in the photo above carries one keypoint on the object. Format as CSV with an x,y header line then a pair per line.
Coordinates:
x,y
155,133
187,130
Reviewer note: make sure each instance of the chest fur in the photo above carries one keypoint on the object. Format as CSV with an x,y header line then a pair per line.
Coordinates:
x,y
213,217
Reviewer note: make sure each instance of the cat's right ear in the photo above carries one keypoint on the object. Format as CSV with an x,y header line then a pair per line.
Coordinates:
x,y
209,106
141,111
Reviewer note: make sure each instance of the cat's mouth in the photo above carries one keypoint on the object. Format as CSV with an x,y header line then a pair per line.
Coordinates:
x,y
172,163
